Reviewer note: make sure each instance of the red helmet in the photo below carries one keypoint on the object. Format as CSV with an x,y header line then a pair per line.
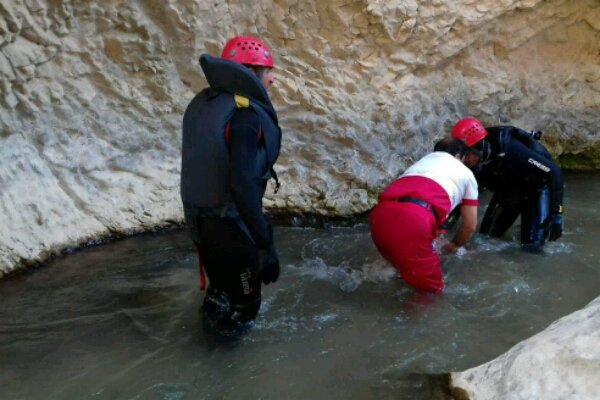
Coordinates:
x,y
248,50
469,130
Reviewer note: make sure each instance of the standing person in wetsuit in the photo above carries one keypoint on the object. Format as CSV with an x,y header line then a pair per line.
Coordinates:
x,y
525,180
231,140
404,223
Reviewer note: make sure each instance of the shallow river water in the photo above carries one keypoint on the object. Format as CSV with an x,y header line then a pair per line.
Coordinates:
x,y
121,321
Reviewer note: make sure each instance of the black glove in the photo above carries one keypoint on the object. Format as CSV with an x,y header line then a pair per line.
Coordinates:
x,y
268,264
554,227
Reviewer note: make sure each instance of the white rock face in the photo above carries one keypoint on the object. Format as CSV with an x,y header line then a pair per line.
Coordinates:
x,y
560,363
92,96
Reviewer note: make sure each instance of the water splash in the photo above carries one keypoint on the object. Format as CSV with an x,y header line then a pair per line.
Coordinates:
x,y
166,391
347,278
552,248
290,321
485,244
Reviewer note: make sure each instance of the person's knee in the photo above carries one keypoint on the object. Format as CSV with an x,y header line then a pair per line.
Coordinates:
x,y
245,313
216,305
532,240
497,226
534,247
227,317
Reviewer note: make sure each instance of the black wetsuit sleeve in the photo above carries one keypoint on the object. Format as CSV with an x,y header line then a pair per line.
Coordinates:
x,y
243,143
536,167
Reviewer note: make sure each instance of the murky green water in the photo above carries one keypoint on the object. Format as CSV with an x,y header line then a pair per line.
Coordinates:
x,y
121,321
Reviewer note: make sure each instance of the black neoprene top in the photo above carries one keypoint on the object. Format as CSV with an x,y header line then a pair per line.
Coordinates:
x,y
522,169
247,193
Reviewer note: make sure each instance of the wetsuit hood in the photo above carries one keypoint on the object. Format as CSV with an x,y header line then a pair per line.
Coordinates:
x,y
235,78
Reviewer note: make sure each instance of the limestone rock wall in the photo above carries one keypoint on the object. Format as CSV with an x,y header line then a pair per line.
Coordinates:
x,y
92,95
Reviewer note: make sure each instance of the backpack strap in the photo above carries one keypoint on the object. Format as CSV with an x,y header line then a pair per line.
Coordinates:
x,y
242,102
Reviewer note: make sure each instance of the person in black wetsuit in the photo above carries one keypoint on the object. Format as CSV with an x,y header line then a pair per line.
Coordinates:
x,y
231,140
523,177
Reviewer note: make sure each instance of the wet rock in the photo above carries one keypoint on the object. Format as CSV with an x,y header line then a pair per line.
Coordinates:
x,y
561,362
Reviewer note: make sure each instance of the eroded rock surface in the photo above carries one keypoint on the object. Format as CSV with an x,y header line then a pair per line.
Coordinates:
x,y
562,362
93,94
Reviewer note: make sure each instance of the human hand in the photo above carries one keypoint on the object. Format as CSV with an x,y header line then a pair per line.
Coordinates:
x,y
449,248
268,262
554,227
443,245
439,242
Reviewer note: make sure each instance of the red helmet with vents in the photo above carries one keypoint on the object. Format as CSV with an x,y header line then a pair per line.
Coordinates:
x,y
469,130
248,50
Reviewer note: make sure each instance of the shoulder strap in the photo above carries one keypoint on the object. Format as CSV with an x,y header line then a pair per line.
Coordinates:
x,y
241,102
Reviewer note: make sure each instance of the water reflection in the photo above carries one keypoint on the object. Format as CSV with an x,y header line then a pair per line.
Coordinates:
x,y
121,321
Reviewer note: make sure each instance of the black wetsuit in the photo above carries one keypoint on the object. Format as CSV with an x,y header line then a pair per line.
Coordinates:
x,y
230,142
229,252
525,181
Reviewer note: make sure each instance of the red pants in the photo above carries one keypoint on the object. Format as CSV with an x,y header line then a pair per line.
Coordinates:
x,y
404,233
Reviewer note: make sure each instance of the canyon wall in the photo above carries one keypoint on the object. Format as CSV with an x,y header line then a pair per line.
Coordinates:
x,y
93,95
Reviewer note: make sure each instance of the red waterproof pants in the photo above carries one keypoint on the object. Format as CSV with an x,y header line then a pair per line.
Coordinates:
x,y
404,233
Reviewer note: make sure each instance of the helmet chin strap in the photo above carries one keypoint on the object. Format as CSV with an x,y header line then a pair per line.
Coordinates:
x,y
486,152
483,150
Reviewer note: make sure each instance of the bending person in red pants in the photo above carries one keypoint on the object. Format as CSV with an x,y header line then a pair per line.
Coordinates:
x,y
404,223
